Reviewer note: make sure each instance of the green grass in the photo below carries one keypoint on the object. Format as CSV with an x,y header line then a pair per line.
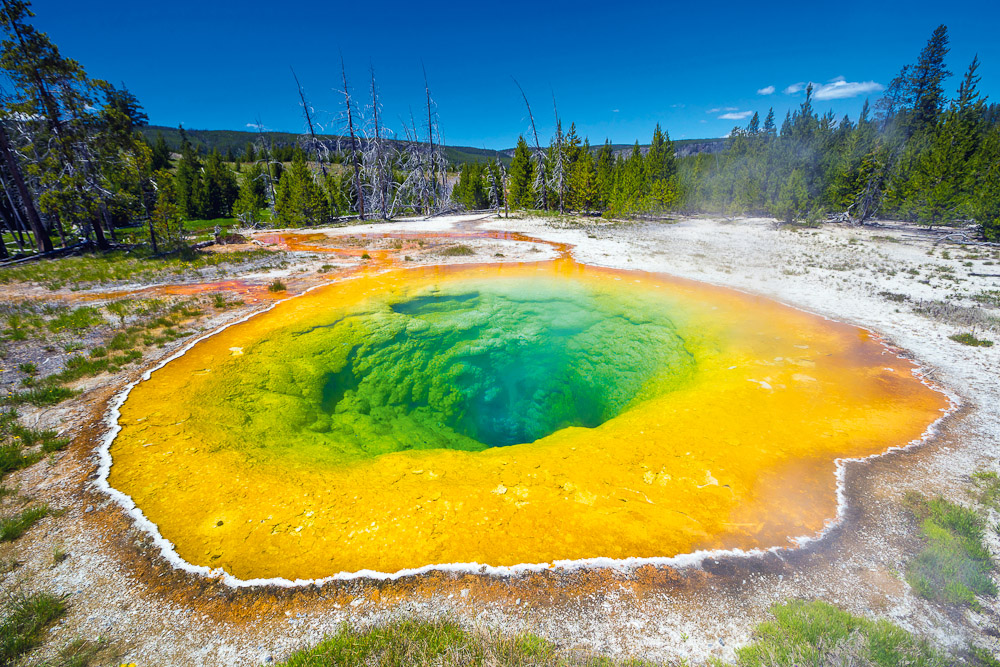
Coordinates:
x,y
77,319
988,298
38,396
955,565
441,643
277,286
458,251
200,226
13,527
25,621
82,653
14,438
120,266
987,489
967,338
817,633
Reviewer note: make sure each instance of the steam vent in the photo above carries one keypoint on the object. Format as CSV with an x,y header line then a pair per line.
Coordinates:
x,y
503,415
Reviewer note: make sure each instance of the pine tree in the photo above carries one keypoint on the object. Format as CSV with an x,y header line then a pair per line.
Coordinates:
x,y
770,131
984,203
220,187
925,84
939,186
522,177
161,154
251,199
583,182
166,218
793,199
605,174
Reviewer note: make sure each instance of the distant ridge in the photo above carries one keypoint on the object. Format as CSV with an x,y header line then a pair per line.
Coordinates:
x,y
205,141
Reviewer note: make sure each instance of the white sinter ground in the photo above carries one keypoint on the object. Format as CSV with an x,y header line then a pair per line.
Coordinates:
x,y
873,277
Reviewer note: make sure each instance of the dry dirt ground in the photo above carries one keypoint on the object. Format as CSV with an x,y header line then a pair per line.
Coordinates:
x,y
890,279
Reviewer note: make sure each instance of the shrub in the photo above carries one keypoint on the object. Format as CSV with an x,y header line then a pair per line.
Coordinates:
x,y
970,339
458,251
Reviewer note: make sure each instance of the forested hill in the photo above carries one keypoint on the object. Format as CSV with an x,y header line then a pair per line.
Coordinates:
x,y
235,142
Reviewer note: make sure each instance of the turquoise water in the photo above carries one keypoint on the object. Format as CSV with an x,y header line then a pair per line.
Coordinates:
x,y
504,363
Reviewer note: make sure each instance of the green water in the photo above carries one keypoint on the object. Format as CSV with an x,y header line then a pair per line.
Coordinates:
x,y
468,366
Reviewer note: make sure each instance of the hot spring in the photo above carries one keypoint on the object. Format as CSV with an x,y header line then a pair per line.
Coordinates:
x,y
506,414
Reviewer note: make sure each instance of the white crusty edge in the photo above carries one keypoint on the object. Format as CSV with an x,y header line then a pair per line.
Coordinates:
x,y
168,551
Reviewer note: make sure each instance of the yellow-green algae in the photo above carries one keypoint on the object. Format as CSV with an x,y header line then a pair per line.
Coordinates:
x,y
507,414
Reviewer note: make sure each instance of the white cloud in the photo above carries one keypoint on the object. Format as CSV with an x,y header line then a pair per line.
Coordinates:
x,y
718,109
614,111
795,88
739,115
840,89
768,90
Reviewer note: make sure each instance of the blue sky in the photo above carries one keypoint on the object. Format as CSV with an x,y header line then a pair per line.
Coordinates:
x,y
616,69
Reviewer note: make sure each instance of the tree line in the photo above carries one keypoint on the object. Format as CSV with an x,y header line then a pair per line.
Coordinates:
x,y
917,156
75,167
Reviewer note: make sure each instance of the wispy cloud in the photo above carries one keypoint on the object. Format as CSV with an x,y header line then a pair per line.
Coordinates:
x,y
795,88
840,89
767,90
718,109
614,111
677,106
738,115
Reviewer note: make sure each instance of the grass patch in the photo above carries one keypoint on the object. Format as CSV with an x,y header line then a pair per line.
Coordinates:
x,y
458,251
13,527
82,653
38,396
442,643
955,564
277,286
208,226
14,438
988,298
894,296
817,633
25,622
119,266
77,319
987,489
970,339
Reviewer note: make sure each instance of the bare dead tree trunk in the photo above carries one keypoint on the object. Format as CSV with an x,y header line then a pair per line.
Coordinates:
x,y
560,175
42,240
382,173
354,146
538,145
430,129
267,167
17,225
309,123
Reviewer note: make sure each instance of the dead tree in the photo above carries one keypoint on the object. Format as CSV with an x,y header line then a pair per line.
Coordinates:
x,y
314,143
42,240
268,180
497,183
377,160
430,128
539,157
558,165
354,146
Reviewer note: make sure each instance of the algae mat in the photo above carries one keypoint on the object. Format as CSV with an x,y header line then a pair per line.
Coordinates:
x,y
507,414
